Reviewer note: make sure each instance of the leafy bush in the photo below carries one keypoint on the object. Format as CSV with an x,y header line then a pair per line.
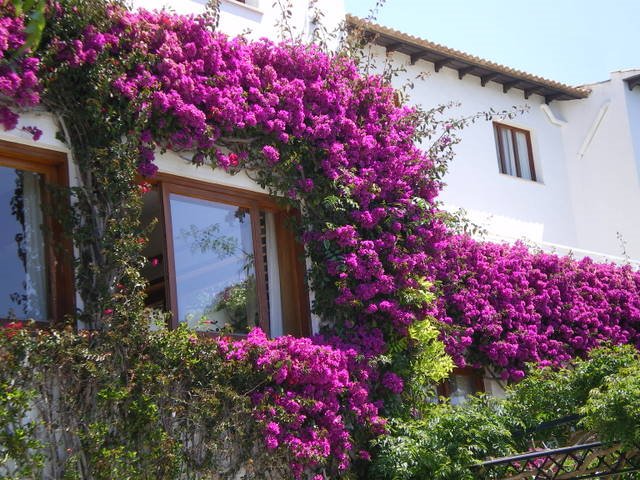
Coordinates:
x,y
156,405
613,407
443,441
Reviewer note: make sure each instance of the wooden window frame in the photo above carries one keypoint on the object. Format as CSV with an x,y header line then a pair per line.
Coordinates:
x,y
53,166
497,127
295,299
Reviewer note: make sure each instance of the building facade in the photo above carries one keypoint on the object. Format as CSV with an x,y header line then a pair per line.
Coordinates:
x,y
563,175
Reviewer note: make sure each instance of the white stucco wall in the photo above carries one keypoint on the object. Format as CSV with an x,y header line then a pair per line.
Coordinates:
x,y
45,122
507,206
576,205
602,141
259,18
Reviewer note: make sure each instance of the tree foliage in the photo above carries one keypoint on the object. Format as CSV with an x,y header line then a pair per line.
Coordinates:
x,y
443,441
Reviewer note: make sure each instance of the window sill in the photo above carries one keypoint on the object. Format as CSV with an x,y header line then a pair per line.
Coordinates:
x,y
250,8
528,182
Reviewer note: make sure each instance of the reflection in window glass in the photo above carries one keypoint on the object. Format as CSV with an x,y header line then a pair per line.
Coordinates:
x,y
214,262
23,283
154,269
461,387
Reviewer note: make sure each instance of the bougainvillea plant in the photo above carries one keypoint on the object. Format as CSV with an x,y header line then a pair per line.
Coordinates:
x,y
505,306
322,137
123,85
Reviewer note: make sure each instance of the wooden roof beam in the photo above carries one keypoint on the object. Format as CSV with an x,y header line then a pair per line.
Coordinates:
x,y
633,82
392,47
463,71
438,64
370,37
551,97
484,79
416,56
506,86
529,91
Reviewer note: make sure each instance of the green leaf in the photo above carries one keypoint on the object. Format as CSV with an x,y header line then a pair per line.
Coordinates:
x,y
35,24
17,5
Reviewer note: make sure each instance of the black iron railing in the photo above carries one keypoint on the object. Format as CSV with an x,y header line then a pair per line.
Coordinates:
x,y
591,459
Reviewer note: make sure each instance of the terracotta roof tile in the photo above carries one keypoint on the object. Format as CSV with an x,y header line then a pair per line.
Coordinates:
x,y
556,90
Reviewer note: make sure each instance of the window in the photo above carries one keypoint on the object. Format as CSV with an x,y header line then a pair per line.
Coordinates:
x,y
35,284
462,383
222,260
515,156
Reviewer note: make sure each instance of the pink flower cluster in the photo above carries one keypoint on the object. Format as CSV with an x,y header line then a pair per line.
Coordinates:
x,y
320,132
194,90
19,84
507,306
314,398
203,87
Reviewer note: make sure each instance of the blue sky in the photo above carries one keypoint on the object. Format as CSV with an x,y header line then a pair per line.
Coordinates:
x,y
571,41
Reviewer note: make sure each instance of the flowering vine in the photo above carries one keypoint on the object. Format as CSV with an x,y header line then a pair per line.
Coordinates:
x,y
19,83
325,139
506,306
309,381
313,131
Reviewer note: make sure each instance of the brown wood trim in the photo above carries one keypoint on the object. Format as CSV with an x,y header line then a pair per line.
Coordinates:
x,y
60,256
170,264
294,293
510,127
300,278
224,193
501,160
31,154
260,271
532,167
49,171
516,155
53,166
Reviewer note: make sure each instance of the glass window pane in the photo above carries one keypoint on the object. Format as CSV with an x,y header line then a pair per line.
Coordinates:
x,y
270,250
523,155
214,261
154,269
507,151
461,387
23,283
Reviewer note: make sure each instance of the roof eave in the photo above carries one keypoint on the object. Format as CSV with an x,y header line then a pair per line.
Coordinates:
x,y
633,81
465,64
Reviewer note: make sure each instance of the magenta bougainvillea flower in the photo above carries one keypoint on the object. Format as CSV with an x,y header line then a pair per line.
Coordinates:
x,y
321,133
508,306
